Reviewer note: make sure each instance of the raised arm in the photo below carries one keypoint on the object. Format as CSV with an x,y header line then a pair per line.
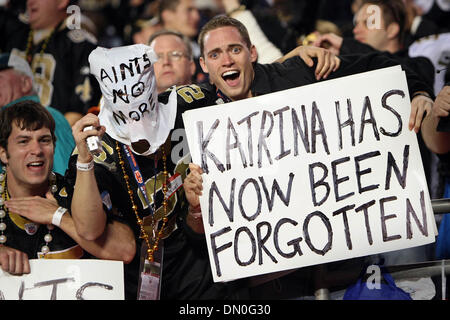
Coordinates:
x,y
87,208
327,61
437,141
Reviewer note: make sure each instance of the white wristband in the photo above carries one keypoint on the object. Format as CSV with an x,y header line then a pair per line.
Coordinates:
x,y
57,216
85,166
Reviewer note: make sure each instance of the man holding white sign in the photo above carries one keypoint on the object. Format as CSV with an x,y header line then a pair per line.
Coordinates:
x,y
230,60
34,218
131,115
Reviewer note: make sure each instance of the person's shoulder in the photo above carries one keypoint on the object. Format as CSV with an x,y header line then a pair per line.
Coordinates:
x,y
294,64
191,96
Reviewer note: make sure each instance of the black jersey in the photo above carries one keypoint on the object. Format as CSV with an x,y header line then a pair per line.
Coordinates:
x,y
61,71
186,271
26,236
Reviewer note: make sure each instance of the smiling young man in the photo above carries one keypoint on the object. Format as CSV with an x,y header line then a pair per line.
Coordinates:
x,y
230,60
16,85
34,218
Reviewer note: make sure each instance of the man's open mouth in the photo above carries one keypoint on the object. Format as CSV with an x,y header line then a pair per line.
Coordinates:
x,y
36,164
230,77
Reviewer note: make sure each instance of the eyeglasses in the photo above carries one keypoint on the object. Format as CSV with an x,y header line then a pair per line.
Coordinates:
x,y
172,55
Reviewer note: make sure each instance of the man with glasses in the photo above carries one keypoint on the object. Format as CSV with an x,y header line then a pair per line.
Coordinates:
x,y
175,64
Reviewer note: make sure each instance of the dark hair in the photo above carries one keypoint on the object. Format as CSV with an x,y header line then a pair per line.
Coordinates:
x,y
393,11
166,32
27,115
219,22
166,5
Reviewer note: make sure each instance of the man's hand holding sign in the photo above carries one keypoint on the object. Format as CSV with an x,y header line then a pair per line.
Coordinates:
x,y
299,177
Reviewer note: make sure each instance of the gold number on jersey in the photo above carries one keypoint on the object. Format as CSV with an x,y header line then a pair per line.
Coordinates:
x,y
43,67
188,93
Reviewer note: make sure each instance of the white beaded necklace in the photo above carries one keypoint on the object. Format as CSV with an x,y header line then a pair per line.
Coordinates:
x,y
3,211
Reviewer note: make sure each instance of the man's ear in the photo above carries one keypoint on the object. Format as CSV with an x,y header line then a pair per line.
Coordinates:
x,y
393,30
253,54
26,85
203,65
3,155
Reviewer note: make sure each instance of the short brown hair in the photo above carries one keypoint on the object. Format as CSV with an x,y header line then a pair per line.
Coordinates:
x,y
166,5
27,115
393,11
219,22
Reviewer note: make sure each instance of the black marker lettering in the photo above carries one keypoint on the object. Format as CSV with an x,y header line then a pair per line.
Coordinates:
x,y
327,224
368,107
349,122
360,172
298,130
216,250
399,118
295,243
262,137
321,182
283,152
384,217
316,117
276,188
258,197
236,144
203,143
236,247
391,164
249,138
262,240
228,210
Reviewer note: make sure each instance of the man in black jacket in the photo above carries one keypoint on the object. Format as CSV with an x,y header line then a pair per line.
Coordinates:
x,y
230,60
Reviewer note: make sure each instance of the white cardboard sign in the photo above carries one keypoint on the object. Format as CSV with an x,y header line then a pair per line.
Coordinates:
x,y
310,175
65,279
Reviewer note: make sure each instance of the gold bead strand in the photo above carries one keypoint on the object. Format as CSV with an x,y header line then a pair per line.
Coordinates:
x,y
165,203
28,54
144,234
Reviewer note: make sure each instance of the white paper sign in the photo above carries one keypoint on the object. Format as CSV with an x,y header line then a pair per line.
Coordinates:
x,y
65,279
310,175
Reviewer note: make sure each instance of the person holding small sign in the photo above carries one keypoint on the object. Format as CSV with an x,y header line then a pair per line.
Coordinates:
x,y
34,206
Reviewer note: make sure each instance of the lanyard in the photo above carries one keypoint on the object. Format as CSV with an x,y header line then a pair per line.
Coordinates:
x,y
137,175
